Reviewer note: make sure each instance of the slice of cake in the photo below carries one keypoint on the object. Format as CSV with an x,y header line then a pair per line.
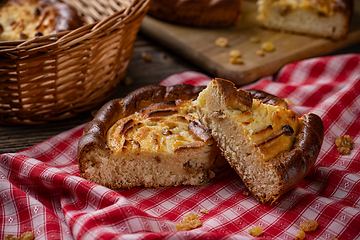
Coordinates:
x,y
322,18
268,146
133,143
162,145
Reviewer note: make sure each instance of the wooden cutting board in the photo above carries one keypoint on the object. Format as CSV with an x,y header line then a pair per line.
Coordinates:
x,y
197,45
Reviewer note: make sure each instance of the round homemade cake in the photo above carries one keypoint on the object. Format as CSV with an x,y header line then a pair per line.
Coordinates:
x,y
199,13
26,19
155,137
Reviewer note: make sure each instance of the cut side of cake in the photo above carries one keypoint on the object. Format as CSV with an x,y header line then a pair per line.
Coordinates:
x,y
163,145
320,18
269,146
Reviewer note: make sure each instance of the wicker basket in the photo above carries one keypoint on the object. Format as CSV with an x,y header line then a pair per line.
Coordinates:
x,y
58,76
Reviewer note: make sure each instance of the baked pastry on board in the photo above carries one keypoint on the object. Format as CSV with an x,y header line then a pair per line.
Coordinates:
x,y
26,19
199,13
321,18
270,148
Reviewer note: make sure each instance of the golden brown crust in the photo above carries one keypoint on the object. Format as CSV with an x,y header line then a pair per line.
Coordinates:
x,y
203,13
294,165
25,19
237,99
267,98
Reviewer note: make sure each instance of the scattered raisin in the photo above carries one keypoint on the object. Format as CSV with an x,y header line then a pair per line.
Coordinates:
x,y
300,235
204,211
254,40
236,60
146,57
308,226
27,236
260,53
344,144
255,231
235,53
222,42
268,47
190,221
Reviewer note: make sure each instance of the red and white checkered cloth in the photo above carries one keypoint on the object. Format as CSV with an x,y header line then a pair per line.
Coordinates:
x,y
41,189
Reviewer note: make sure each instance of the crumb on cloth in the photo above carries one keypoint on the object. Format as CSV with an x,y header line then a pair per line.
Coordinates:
x,y
255,231
300,235
308,226
344,144
25,236
190,221
204,211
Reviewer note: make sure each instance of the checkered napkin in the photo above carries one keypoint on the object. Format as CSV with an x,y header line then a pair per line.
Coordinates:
x,y
41,189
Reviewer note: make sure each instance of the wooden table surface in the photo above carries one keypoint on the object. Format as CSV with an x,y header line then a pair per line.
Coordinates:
x,y
163,64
